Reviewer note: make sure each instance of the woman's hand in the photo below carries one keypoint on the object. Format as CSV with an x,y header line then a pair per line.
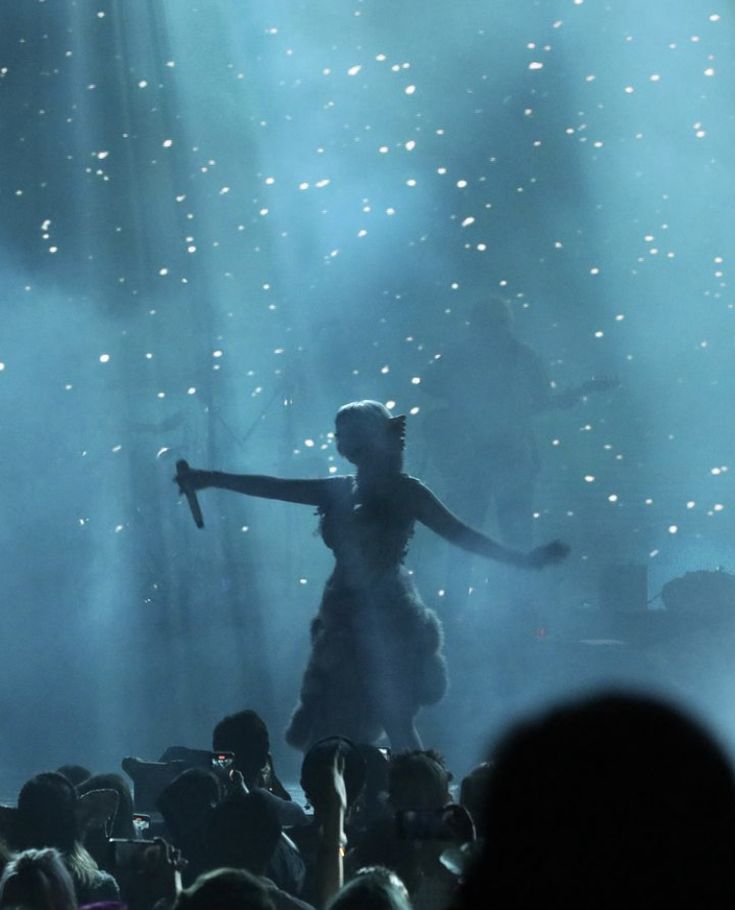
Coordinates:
x,y
546,555
193,480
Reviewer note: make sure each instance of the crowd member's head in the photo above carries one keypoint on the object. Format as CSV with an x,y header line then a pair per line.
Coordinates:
x,y
318,765
242,832
37,880
372,888
245,734
619,801
186,804
418,779
46,815
225,889
187,801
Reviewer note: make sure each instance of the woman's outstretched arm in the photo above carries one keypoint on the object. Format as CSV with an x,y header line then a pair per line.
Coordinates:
x,y
307,492
431,511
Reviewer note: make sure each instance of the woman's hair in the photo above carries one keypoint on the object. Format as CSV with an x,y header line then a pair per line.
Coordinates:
x,y
46,814
37,880
245,734
226,889
418,779
382,434
372,888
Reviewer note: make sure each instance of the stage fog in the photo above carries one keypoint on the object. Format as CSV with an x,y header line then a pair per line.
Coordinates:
x,y
220,222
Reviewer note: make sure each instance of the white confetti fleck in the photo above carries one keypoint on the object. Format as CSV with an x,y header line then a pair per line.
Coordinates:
x,y
354,70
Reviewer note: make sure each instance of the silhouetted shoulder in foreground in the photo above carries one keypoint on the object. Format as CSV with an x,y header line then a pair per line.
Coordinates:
x,y
620,801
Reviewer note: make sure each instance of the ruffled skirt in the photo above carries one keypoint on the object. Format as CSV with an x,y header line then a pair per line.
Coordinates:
x,y
375,654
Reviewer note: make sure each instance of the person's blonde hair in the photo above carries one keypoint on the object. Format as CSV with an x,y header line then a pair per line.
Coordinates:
x,y
37,880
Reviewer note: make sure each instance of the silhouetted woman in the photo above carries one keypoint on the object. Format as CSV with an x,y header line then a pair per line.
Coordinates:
x,y
376,649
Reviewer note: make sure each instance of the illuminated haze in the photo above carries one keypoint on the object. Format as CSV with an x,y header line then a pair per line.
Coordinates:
x,y
221,221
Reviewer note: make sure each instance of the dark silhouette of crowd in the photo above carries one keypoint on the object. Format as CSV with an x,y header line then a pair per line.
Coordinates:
x,y
617,801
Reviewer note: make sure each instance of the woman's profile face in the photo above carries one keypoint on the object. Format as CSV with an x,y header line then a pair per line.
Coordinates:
x,y
352,437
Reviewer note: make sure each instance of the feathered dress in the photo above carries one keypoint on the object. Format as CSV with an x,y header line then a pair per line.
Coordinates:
x,y
375,647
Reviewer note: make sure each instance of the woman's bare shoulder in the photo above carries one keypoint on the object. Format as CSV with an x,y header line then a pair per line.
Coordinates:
x,y
412,487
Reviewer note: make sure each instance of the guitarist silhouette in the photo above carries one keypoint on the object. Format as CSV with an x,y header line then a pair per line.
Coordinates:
x,y
509,380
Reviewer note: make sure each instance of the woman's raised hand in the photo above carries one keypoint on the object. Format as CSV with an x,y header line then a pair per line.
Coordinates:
x,y
191,479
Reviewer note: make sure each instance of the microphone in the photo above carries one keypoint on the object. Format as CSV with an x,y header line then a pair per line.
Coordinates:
x,y
182,468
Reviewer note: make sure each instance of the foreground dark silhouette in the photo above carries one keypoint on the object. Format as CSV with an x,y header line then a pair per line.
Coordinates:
x,y
617,802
